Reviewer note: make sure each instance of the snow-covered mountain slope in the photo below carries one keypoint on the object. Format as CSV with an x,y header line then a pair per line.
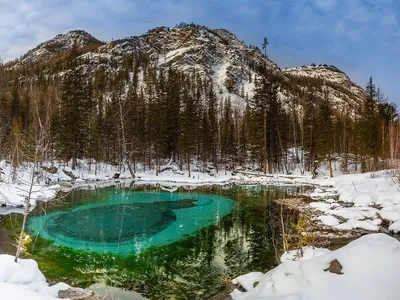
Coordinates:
x,y
324,72
59,44
343,93
215,55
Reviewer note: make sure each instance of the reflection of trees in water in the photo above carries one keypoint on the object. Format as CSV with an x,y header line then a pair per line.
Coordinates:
x,y
244,242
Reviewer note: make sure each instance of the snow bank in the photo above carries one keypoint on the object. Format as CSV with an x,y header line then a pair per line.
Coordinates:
x,y
370,267
23,280
54,176
14,186
359,201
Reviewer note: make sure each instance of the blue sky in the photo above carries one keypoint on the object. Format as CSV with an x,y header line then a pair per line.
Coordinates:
x,y
361,37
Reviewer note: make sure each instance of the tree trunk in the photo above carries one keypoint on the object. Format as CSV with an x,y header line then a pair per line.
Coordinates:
x,y
26,209
74,157
282,151
295,136
124,155
265,145
314,170
188,164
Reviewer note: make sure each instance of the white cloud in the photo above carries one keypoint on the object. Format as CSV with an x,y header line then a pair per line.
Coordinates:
x,y
325,4
26,23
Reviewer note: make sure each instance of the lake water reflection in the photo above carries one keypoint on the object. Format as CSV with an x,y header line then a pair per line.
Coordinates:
x,y
182,245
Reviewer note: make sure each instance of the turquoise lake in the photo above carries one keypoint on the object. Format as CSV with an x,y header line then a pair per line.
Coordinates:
x,y
185,244
130,222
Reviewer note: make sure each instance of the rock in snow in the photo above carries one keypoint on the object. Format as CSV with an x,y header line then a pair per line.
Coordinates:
x,y
370,267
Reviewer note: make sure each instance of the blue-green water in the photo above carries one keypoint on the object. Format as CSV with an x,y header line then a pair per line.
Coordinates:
x,y
184,245
130,222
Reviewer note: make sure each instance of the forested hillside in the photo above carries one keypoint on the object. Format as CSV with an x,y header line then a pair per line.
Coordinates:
x,y
191,95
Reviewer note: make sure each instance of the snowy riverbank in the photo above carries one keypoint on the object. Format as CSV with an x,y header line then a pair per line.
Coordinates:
x,y
365,269
55,176
367,201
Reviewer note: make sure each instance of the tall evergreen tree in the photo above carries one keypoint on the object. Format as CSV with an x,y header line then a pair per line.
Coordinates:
x,y
75,110
171,114
324,132
309,129
228,143
212,125
259,107
370,124
188,126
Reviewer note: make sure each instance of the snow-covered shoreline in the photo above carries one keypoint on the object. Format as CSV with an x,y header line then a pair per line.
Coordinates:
x,y
52,177
365,269
55,176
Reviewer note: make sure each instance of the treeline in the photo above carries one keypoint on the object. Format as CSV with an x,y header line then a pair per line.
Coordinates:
x,y
144,116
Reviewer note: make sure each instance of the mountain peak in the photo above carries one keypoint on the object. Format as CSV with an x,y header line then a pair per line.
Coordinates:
x,y
325,72
343,93
59,44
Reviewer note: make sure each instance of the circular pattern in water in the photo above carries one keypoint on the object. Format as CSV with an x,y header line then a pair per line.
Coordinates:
x,y
112,223
131,222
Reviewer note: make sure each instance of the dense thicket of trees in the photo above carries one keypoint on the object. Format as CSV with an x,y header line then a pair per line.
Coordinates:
x,y
146,116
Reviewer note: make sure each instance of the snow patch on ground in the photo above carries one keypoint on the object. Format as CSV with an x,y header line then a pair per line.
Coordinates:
x,y
175,53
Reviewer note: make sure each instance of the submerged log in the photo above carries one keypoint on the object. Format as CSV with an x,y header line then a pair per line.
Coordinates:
x,y
75,294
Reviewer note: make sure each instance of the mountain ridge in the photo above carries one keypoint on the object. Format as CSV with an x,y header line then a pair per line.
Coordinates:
x,y
216,55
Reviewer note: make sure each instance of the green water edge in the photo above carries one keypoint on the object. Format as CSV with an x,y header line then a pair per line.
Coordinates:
x,y
196,267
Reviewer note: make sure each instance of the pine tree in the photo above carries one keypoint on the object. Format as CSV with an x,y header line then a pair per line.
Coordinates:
x,y
370,125
156,118
188,126
15,106
5,125
243,140
259,107
309,128
324,132
278,129
75,110
171,113
227,133
212,125
267,132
